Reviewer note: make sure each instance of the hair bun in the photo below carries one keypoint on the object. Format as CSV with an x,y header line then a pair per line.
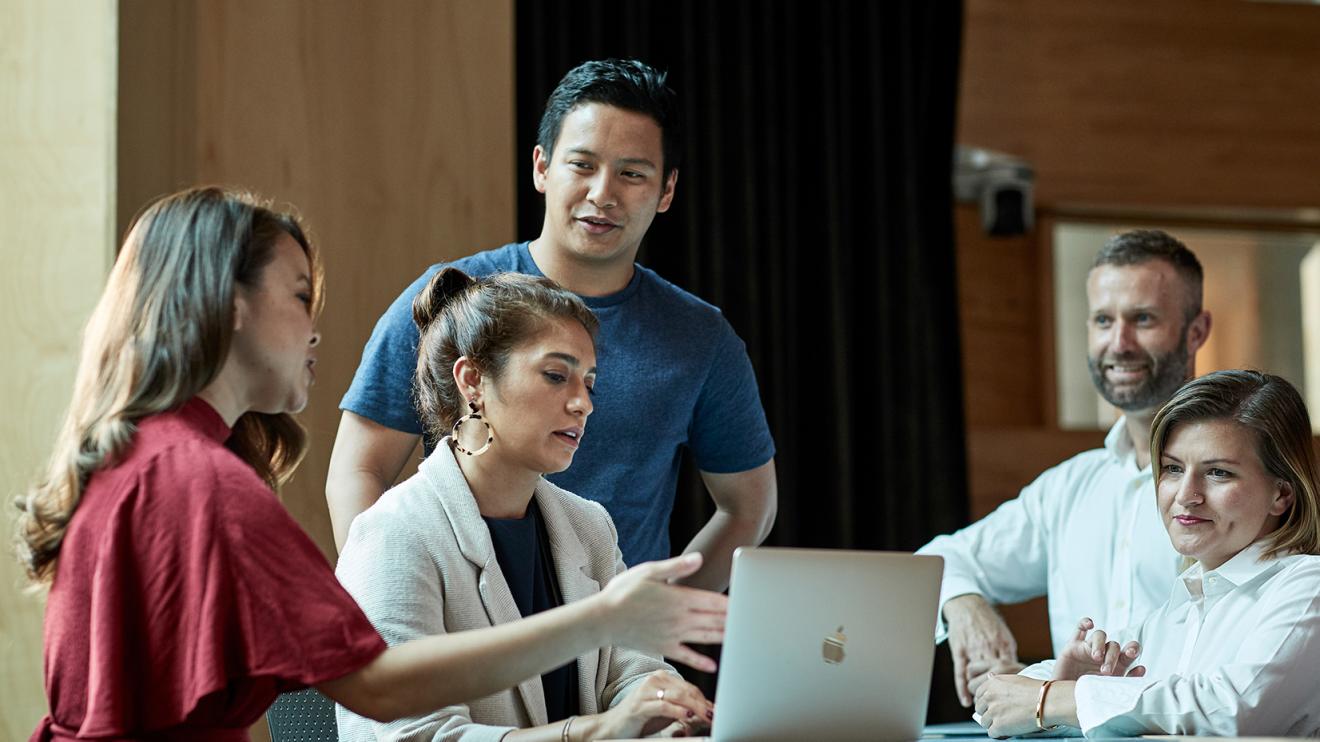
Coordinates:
x,y
443,288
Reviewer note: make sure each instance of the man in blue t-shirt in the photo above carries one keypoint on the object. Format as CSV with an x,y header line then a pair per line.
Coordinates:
x,y
671,371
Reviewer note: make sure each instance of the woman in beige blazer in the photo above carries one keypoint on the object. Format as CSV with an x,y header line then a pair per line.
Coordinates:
x,y
517,354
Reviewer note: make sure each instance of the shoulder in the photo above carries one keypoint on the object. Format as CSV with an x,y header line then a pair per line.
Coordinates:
x,y
1298,568
501,259
484,263
186,469
410,511
1080,467
671,299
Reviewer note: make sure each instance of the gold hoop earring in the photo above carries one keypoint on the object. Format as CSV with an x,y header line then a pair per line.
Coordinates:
x,y
475,415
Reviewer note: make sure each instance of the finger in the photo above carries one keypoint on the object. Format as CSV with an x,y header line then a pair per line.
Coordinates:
x,y
981,698
1137,672
1112,658
691,658
702,636
699,601
960,676
671,569
1097,645
703,622
1083,626
665,708
687,695
974,684
1125,658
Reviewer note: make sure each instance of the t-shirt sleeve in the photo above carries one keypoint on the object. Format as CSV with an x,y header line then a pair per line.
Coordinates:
x,y
729,432
292,618
382,386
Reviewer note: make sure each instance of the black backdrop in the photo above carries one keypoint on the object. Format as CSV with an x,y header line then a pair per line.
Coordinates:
x,y
814,207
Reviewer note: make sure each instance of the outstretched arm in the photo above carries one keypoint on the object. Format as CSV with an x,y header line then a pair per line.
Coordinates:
x,y
637,609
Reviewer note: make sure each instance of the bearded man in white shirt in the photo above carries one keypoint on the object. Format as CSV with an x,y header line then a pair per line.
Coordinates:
x,y
1086,532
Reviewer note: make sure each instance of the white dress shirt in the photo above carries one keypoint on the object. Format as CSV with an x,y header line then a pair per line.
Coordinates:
x,y
1086,532
1234,652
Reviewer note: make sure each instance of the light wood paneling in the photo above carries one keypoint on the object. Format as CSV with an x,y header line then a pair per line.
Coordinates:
x,y
390,127
57,144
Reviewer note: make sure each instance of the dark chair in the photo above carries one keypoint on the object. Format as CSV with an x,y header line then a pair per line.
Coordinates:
x,y
302,716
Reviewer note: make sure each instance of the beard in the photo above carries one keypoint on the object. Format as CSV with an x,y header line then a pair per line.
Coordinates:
x,y
1167,373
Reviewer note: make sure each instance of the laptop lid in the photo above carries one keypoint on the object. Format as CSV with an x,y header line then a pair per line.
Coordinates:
x,y
827,644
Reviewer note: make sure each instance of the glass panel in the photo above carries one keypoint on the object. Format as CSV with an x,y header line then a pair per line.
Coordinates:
x,y
1262,289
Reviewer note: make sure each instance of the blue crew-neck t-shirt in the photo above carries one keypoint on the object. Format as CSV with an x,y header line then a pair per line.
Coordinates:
x,y
671,373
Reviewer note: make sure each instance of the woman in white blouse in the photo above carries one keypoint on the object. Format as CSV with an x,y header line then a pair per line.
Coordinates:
x,y
1234,650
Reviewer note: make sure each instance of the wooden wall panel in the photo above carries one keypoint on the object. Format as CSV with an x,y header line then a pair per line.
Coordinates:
x,y
999,315
390,127
1178,102
57,169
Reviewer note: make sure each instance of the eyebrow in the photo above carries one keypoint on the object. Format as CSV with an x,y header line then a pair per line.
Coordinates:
x,y
571,360
1233,462
621,160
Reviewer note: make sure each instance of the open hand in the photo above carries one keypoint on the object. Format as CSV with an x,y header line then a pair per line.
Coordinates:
x,y
647,613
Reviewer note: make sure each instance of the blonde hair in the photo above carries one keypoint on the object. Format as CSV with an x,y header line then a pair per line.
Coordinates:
x,y
1274,411
159,335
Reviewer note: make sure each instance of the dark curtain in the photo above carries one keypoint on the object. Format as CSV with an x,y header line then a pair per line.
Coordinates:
x,y
814,207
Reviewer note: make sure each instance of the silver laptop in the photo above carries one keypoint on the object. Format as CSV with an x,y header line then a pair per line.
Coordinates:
x,y
827,644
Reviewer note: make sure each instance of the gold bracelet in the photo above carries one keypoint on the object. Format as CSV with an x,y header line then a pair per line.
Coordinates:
x,y
1040,708
568,724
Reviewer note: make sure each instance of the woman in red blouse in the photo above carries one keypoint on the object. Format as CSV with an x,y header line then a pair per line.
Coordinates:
x,y
183,597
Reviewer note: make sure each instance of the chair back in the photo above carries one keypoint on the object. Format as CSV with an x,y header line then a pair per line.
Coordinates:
x,y
302,716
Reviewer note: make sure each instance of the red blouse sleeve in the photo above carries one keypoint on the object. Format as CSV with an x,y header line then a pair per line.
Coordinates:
x,y
296,622
236,595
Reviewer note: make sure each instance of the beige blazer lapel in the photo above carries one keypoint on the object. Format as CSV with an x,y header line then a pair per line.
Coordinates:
x,y
572,569
442,471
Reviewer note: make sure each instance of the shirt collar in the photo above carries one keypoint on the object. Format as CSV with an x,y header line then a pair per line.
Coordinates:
x,y
199,414
526,264
1245,566
1119,444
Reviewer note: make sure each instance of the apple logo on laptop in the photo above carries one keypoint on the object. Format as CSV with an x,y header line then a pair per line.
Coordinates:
x,y
832,648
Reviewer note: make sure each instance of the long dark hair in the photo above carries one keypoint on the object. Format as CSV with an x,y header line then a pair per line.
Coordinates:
x,y
159,335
